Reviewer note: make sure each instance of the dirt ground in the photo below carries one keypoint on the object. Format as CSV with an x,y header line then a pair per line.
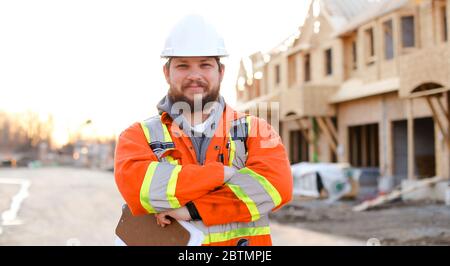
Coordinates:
x,y
69,206
395,223
6,194
64,206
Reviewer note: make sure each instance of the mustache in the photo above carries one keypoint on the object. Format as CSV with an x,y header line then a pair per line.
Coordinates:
x,y
198,83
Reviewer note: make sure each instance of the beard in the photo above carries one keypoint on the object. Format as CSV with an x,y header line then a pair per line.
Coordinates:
x,y
210,96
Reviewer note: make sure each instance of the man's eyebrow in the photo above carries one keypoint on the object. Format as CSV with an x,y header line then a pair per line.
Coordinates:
x,y
201,61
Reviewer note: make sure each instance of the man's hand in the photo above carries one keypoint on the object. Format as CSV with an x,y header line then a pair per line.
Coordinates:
x,y
181,214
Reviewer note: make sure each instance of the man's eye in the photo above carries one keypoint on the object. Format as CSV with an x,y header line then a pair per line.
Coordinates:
x,y
206,65
182,66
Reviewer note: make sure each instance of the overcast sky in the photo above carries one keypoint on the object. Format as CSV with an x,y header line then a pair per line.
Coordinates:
x,y
99,59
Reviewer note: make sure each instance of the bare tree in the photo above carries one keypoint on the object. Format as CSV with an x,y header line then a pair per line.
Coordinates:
x,y
23,132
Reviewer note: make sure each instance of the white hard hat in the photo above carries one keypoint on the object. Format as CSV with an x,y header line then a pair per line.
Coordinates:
x,y
193,36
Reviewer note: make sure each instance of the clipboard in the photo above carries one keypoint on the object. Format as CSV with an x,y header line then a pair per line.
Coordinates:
x,y
144,231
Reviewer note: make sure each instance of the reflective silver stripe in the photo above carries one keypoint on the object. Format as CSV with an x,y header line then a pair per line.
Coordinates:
x,y
248,189
256,192
269,188
155,129
263,221
200,226
240,156
156,135
236,233
225,228
239,133
158,188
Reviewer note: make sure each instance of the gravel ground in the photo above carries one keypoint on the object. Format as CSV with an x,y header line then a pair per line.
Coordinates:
x,y
286,235
396,223
69,206
64,207
7,191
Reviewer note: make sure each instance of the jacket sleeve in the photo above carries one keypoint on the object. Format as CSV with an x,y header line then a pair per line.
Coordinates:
x,y
262,186
150,186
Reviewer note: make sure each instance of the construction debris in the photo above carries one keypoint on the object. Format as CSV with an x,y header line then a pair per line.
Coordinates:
x,y
331,180
380,200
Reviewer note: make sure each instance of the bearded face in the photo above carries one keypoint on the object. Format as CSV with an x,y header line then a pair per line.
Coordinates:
x,y
194,80
194,93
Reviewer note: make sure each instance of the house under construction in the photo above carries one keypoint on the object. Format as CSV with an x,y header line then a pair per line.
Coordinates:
x,y
364,82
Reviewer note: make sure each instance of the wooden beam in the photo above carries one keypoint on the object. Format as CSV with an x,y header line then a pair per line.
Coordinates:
x,y
445,112
410,137
448,104
374,143
436,115
389,162
438,121
304,130
306,135
332,128
380,200
323,127
428,92
291,118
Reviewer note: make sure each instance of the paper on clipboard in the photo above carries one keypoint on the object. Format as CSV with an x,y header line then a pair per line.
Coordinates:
x,y
197,236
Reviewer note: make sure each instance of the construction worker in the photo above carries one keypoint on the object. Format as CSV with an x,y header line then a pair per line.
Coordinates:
x,y
199,160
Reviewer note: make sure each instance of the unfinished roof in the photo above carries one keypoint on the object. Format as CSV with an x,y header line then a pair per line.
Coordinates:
x,y
377,8
342,11
339,12
346,8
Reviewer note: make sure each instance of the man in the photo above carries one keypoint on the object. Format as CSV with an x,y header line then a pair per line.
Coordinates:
x,y
200,160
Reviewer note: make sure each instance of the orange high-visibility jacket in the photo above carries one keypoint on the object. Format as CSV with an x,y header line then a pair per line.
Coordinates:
x,y
163,174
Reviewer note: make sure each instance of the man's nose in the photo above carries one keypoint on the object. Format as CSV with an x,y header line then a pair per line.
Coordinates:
x,y
194,75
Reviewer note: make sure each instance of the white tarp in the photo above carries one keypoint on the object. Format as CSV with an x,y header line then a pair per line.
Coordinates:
x,y
334,178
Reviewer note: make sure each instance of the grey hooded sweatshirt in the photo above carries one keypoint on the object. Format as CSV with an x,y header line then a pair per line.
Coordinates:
x,y
200,141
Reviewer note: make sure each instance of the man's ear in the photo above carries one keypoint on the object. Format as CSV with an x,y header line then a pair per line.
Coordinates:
x,y
222,71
